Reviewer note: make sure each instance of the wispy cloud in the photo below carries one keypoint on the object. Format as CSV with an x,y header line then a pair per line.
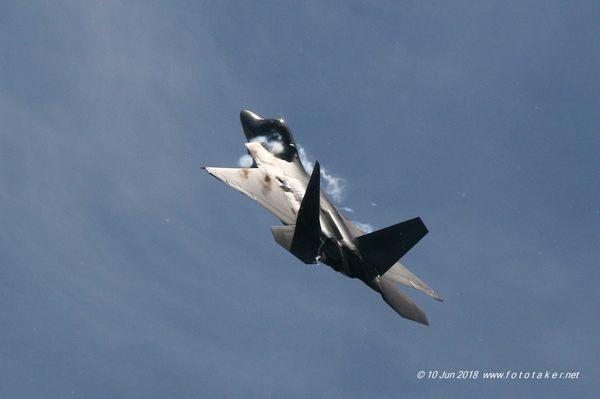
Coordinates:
x,y
245,161
366,227
272,144
334,185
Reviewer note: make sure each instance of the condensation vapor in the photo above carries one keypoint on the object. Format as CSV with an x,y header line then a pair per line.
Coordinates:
x,y
333,185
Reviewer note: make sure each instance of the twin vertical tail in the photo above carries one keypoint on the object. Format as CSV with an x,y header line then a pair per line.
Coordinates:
x,y
382,248
303,239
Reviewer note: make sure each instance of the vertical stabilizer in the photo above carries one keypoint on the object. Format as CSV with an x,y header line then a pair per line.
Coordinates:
x,y
382,248
305,240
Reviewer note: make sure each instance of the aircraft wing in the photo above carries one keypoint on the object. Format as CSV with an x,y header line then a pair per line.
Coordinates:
x,y
256,184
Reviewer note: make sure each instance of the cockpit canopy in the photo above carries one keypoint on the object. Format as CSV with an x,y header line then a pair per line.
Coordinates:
x,y
273,134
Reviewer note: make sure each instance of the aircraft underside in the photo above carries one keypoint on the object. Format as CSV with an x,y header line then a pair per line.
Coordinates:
x,y
313,229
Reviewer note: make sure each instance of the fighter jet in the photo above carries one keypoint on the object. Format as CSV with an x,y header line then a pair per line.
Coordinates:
x,y
313,229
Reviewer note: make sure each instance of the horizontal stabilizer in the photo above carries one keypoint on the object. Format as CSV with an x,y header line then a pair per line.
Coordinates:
x,y
401,275
382,248
303,238
400,302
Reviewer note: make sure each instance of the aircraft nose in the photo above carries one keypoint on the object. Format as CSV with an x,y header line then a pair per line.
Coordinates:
x,y
250,122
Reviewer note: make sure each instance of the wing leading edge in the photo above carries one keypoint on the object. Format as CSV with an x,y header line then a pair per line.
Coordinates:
x,y
256,184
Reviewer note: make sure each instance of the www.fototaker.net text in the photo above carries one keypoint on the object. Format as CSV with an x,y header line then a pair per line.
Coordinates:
x,y
529,375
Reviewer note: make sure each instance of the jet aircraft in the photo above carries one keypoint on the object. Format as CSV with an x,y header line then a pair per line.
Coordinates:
x,y
313,229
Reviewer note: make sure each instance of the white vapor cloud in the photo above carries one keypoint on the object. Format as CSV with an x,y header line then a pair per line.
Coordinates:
x,y
366,227
274,145
334,185
245,161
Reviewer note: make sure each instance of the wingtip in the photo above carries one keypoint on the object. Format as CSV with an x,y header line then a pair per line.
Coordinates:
x,y
436,296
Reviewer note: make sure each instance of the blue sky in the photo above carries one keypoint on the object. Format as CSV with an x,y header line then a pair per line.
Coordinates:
x,y
126,272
